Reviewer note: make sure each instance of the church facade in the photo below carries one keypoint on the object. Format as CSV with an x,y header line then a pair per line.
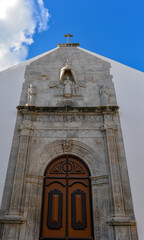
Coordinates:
x,y
67,176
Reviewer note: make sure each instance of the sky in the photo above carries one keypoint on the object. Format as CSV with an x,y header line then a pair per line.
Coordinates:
x,y
114,29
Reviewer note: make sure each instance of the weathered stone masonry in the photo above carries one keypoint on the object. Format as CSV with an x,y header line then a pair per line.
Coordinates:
x,y
71,109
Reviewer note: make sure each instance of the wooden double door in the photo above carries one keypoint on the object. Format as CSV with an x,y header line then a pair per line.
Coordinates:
x,y
67,204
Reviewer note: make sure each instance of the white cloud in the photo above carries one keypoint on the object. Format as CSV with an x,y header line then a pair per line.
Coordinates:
x,y
19,21
43,16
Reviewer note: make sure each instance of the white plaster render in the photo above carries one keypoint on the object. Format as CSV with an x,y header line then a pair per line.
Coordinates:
x,y
11,81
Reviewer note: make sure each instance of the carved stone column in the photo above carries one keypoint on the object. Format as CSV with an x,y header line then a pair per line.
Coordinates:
x,y
119,218
26,130
99,193
14,218
109,128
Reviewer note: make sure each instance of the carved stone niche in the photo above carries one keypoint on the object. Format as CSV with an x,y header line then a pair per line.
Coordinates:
x,y
67,71
68,79
67,86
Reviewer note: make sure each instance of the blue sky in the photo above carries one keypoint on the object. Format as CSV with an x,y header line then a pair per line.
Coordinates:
x,y
114,29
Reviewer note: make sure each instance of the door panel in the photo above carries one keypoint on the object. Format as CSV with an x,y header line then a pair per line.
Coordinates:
x,y
54,220
55,209
79,222
66,206
78,210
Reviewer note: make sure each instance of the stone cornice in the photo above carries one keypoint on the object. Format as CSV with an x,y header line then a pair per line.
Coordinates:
x,y
11,219
99,180
99,109
121,221
68,44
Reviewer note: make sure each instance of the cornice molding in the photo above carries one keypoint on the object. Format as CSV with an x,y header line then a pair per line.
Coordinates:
x,y
99,109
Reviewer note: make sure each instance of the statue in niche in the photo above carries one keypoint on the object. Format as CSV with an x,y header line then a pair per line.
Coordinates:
x,y
68,80
67,87
104,94
31,93
67,70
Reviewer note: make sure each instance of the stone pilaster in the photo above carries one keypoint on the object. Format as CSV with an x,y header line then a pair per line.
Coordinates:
x,y
26,130
118,219
99,193
14,217
109,128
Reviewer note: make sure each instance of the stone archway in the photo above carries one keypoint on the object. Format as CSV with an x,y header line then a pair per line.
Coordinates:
x,y
58,148
40,161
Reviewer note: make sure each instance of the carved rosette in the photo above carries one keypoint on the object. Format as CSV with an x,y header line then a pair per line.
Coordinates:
x,y
67,145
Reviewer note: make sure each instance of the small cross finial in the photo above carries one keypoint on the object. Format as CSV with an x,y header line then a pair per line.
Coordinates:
x,y
68,36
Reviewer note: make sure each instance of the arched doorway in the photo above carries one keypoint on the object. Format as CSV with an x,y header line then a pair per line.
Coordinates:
x,y
67,204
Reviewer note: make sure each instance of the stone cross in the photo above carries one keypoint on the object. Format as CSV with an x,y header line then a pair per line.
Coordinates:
x,y
68,36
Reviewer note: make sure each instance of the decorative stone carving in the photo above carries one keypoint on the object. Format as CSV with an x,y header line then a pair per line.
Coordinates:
x,y
123,235
67,145
67,85
90,79
31,93
99,180
11,219
109,125
67,70
100,213
67,103
69,118
40,161
33,216
67,88
10,232
44,78
19,175
118,201
26,128
104,94
121,221
54,85
99,142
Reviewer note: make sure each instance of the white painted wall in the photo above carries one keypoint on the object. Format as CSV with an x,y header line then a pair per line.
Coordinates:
x,y
129,87
11,81
10,89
